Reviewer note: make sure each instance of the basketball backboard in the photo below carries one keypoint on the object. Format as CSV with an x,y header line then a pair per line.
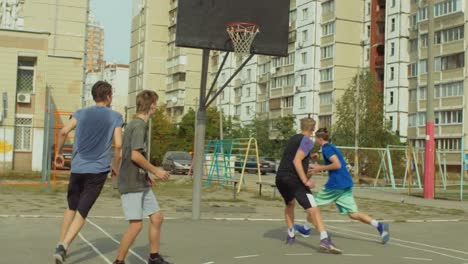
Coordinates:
x,y
202,24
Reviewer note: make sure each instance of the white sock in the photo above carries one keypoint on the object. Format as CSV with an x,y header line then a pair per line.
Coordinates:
x,y
291,232
307,225
323,235
374,223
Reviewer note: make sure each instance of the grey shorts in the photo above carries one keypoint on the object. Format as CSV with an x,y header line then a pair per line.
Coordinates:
x,y
139,204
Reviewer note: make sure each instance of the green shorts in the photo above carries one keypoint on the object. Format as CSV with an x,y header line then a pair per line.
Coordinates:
x,y
343,199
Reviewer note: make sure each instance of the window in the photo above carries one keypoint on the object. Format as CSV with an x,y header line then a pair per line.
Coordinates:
x,y
304,57
237,110
422,67
237,92
326,75
368,8
328,6
326,98
392,49
325,121
422,14
303,80
368,31
423,40
278,82
305,14
327,52
222,95
413,22
292,16
422,93
449,89
302,102
23,133
392,73
304,35
393,25
448,35
25,75
449,62
275,104
247,110
249,74
393,3
447,7
448,143
449,117
263,107
288,102
367,54
328,29
412,70
248,91
391,98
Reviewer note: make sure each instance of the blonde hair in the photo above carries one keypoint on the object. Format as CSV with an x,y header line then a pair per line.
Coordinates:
x,y
145,99
307,124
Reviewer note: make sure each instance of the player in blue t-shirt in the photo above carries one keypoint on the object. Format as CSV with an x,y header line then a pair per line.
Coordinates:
x,y
339,187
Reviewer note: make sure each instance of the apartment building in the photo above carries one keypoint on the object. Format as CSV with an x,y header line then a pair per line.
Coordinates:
x,y
94,45
157,64
449,77
341,53
41,55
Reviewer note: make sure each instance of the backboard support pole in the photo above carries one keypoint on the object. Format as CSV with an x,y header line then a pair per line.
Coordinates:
x,y
200,129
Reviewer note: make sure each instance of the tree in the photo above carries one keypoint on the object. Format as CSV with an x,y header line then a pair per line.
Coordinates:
x,y
373,129
163,135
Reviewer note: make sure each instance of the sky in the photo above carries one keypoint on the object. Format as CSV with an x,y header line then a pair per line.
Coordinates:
x,y
115,16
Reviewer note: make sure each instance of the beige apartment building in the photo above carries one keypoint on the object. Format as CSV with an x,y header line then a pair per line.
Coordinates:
x,y
449,77
157,64
41,48
342,53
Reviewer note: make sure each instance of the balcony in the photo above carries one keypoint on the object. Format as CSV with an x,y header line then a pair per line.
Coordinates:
x,y
176,103
264,78
237,83
237,99
180,85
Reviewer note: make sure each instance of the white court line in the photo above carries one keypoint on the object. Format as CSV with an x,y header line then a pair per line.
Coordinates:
x,y
357,255
211,262
401,245
95,249
247,256
299,254
423,259
405,241
115,240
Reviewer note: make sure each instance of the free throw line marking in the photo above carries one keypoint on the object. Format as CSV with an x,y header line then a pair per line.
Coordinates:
x,y
95,249
115,240
247,256
423,259
299,254
357,255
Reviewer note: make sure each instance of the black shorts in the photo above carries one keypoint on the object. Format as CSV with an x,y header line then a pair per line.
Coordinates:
x,y
83,191
292,188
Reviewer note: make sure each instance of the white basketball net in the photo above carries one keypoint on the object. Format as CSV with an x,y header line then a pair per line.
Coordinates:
x,y
242,36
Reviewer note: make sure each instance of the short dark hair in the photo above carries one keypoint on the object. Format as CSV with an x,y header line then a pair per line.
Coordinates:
x,y
145,99
322,133
101,90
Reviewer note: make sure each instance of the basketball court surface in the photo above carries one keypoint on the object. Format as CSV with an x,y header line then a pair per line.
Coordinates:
x,y
31,239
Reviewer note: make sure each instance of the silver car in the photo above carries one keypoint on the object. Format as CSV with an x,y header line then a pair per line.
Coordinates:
x,y
177,162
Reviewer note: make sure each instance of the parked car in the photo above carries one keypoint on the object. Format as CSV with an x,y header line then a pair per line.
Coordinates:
x,y
177,162
67,156
251,165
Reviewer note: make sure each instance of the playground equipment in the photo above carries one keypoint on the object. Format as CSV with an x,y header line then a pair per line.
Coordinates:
x,y
221,156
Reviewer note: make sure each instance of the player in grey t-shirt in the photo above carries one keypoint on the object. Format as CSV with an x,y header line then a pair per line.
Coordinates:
x,y
135,178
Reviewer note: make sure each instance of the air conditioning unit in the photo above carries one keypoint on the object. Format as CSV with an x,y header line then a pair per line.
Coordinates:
x,y
23,98
273,70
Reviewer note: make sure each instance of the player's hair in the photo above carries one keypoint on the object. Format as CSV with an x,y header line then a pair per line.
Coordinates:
x,y
307,124
101,90
322,133
145,99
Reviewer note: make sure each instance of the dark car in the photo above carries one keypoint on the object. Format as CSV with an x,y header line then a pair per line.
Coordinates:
x,y
177,162
67,152
251,166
